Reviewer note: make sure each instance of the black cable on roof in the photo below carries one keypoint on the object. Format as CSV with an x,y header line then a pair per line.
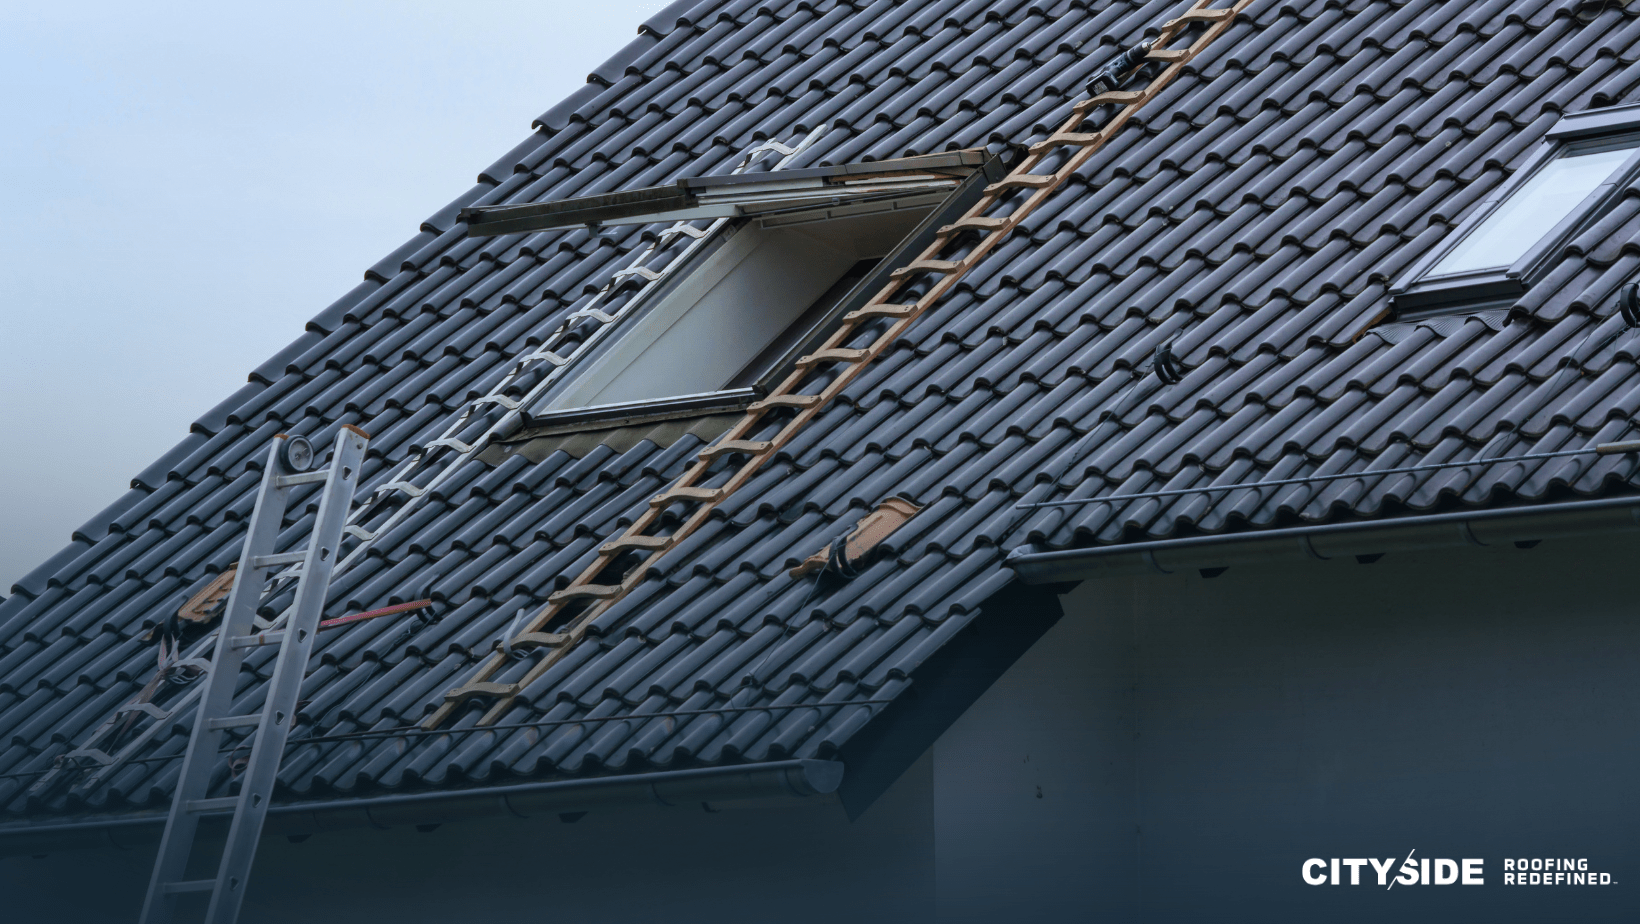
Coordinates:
x,y
1604,449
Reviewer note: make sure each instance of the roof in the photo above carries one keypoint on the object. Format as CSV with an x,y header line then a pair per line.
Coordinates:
x,y
1254,215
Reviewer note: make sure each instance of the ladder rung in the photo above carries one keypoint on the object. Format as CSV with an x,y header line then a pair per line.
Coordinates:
x,y
1074,139
749,447
577,591
403,487
943,267
652,543
705,495
880,310
976,223
777,401
834,355
1118,97
274,561
542,640
1171,56
291,481
100,756
450,442
190,885
1017,181
234,721
213,806
258,640
147,709
480,688
1199,16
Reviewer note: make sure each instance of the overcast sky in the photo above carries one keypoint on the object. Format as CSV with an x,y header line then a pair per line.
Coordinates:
x,y
183,185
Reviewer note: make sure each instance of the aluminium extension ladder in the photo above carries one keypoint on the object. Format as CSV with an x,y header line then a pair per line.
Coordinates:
x,y
425,468
286,469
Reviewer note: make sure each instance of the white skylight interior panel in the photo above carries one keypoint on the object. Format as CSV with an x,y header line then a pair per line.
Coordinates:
x,y
1535,208
726,311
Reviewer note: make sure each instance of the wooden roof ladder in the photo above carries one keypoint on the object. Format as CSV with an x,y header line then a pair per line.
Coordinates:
x,y
719,470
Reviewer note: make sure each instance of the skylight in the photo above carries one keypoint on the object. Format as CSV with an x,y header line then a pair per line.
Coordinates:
x,y
1511,239
797,250
1536,207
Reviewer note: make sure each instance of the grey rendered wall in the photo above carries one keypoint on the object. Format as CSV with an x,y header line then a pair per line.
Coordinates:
x,y
1196,740
803,864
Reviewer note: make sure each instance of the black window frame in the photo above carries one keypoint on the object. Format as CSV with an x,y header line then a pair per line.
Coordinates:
x,y
1419,295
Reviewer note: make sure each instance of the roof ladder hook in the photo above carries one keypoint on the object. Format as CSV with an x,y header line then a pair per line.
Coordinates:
x,y
1628,304
1167,366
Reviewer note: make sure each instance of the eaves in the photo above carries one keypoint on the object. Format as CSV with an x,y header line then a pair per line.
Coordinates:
x,y
1498,528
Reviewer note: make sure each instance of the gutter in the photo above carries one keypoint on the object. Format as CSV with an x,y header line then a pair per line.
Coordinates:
x,y
1485,529
763,783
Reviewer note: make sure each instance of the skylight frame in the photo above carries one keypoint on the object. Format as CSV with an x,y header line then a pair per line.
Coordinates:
x,y
942,207
1418,294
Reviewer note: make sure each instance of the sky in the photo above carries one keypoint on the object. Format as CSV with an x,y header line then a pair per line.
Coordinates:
x,y
184,185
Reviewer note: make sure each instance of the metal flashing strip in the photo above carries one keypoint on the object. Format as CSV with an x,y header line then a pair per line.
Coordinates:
x,y
736,195
609,416
780,780
1496,528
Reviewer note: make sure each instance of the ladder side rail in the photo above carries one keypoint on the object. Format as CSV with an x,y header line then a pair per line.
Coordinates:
x,y
279,707
506,422
198,650
198,762
514,415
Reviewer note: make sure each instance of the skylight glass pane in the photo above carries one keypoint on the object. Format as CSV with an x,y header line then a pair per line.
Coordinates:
x,y
1532,211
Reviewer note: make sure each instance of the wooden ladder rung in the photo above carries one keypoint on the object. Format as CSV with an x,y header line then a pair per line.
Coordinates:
x,y
749,447
943,267
480,688
834,355
626,543
578,591
1168,56
1017,181
779,401
976,223
1074,139
1118,97
704,495
542,640
880,310
1199,16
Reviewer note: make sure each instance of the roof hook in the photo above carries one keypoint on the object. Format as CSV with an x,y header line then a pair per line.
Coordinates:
x,y
1167,366
1114,74
1628,304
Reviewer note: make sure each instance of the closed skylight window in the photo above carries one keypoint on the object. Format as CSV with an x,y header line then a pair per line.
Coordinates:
x,y
1515,236
1536,207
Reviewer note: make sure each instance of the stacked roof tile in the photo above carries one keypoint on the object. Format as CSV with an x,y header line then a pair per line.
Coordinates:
x,y
1253,216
